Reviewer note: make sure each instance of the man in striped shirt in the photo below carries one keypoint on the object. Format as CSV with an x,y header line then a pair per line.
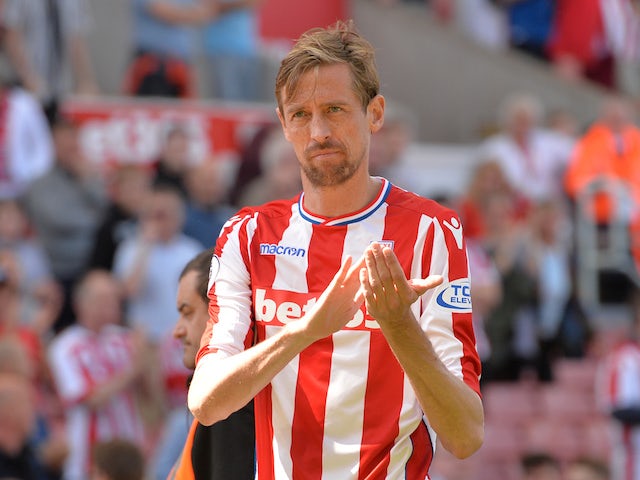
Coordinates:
x,y
354,368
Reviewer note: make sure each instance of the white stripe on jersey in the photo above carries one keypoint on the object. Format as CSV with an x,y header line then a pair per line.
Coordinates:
x,y
345,398
283,401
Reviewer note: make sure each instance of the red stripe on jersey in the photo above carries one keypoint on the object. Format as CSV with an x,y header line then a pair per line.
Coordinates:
x,y
403,229
462,323
463,331
314,365
418,465
325,256
307,430
264,429
380,424
381,411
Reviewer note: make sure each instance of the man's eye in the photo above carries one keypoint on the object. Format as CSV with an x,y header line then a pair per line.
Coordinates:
x,y
335,108
299,114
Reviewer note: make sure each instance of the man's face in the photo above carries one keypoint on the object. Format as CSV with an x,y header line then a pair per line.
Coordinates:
x,y
328,127
101,302
192,319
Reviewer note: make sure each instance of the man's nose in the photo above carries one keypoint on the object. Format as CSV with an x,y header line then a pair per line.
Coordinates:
x,y
178,330
320,128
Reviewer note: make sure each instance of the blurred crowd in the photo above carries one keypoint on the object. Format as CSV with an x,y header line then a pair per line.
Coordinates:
x,y
90,254
579,39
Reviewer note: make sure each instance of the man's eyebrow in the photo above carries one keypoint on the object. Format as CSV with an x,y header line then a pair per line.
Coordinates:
x,y
293,107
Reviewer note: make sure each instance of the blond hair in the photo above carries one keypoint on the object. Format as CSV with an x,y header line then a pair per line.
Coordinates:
x,y
339,43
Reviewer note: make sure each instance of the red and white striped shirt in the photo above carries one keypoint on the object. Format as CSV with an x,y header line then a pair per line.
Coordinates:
x,y
618,387
82,361
343,408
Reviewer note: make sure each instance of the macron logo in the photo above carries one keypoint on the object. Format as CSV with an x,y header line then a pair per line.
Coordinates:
x,y
273,249
456,229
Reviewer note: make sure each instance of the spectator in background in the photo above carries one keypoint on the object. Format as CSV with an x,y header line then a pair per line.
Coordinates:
x,y
622,28
99,368
607,154
533,158
487,180
26,149
510,325
249,167
65,206
20,250
280,177
207,209
128,186
174,159
604,171
486,293
46,439
231,42
484,21
578,46
117,460
225,450
22,350
164,46
148,265
18,459
530,23
560,328
46,44
618,394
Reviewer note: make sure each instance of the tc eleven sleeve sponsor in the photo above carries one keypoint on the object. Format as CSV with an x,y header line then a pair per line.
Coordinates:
x,y
455,296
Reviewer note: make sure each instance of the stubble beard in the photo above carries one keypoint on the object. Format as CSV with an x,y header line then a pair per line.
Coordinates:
x,y
329,175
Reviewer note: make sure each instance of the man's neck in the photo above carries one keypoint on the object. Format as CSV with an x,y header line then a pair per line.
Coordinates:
x,y
334,201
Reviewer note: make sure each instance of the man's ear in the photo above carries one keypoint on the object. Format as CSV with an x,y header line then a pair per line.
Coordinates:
x,y
282,123
375,112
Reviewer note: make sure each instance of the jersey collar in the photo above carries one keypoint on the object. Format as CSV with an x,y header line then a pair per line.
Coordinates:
x,y
349,217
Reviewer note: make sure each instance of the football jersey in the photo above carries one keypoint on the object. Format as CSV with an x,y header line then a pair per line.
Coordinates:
x,y
81,361
618,387
343,408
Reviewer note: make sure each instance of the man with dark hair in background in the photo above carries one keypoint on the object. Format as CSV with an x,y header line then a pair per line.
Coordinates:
x,y
226,449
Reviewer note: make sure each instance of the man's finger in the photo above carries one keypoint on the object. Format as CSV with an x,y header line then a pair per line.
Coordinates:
x,y
421,285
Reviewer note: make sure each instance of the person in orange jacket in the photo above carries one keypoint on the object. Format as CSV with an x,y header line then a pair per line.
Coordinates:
x,y
607,158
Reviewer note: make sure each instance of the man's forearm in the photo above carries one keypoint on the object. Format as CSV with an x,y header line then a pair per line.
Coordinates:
x,y
454,410
221,386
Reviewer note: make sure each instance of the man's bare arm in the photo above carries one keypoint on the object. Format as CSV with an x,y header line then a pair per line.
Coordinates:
x,y
454,410
220,386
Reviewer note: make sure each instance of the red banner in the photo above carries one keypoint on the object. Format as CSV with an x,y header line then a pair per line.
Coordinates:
x,y
288,19
133,129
